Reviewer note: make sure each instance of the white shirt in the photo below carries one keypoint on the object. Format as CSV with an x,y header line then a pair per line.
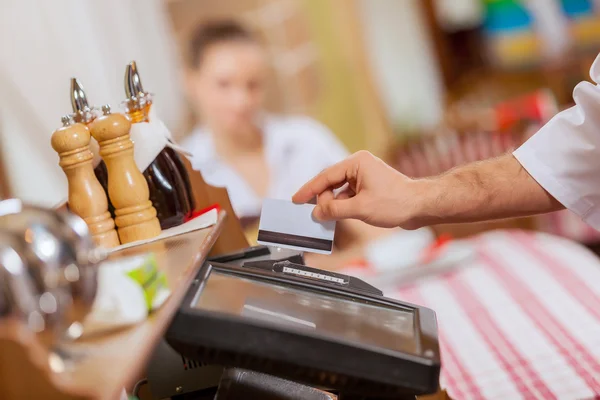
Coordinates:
x,y
296,148
564,156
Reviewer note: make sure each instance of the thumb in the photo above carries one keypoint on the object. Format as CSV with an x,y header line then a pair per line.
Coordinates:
x,y
336,209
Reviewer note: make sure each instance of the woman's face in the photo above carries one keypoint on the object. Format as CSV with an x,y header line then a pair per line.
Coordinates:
x,y
228,88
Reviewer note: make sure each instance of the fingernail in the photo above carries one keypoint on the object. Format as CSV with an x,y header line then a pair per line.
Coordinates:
x,y
317,213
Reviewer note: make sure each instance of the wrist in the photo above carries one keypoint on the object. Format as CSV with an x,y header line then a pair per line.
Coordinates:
x,y
422,210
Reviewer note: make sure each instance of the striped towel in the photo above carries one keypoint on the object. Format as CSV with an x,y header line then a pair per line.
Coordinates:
x,y
520,321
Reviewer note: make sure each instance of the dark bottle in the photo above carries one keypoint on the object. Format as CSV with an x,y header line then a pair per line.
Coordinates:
x,y
186,178
167,178
164,182
82,113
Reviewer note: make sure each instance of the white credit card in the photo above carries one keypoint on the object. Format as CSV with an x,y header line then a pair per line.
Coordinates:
x,y
292,226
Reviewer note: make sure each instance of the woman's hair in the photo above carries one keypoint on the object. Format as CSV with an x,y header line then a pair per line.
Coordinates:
x,y
216,32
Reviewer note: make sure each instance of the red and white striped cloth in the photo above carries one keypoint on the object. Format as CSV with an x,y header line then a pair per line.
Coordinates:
x,y
569,225
520,321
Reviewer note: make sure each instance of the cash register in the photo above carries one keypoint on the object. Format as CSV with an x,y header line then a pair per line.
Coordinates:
x,y
260,322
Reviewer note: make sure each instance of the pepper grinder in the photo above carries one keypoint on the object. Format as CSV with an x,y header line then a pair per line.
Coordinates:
x,y
87,198
135,216
84,113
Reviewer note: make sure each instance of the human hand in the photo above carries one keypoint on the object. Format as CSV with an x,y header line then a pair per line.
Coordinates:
x,y
371,191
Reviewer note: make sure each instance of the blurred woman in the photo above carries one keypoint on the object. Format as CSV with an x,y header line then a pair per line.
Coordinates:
x,y
252,153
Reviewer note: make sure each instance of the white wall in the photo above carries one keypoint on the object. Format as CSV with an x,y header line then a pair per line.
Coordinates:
x,y
43,44
403,60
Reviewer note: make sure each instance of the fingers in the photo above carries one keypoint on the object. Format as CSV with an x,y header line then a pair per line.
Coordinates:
x,y
322,200
325,197
332,177
337,209
345,193
331,207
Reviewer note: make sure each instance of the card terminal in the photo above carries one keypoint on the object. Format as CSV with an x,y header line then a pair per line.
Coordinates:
x,y
306,325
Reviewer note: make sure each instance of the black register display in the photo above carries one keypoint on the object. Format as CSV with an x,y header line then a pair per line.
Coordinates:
x,y
308,326
336,316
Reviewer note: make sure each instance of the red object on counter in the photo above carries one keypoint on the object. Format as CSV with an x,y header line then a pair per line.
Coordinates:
x,y
198,213
433,251
538,106
430,253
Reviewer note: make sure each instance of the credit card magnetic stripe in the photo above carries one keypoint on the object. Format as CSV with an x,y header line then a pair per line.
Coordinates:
x,y
295,240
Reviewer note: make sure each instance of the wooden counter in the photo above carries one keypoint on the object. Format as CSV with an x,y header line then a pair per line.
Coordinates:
x,y
112,361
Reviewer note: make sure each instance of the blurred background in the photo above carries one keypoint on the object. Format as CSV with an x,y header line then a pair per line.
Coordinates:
x,y
424,84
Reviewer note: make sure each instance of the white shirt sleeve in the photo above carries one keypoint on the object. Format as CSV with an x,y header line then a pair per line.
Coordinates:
x,y
564,156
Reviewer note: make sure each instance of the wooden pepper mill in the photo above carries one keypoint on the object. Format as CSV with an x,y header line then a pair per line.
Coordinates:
x,y
135,216
86,196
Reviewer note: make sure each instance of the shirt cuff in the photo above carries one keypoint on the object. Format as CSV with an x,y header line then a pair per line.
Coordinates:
x,y
546,177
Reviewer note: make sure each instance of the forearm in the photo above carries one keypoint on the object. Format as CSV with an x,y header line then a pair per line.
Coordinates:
x,y
491,189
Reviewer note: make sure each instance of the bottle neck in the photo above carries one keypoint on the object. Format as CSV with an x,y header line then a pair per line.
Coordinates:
x,y
140,115
137,116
